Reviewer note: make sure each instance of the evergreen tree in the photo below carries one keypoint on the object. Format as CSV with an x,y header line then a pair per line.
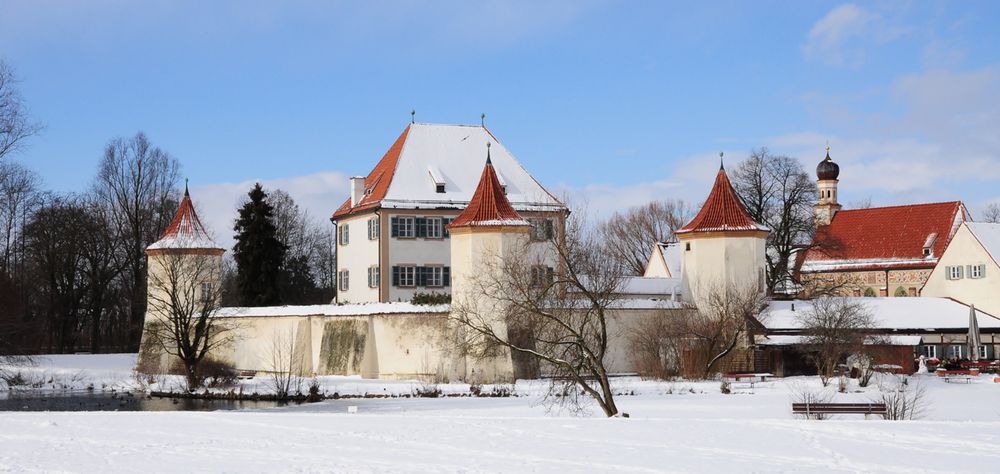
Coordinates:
x,y
258,253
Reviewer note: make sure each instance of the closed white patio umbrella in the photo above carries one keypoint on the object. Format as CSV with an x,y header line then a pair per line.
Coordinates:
x,y
973,338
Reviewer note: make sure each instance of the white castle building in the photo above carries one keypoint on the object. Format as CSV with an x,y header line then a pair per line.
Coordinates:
x,y
393,236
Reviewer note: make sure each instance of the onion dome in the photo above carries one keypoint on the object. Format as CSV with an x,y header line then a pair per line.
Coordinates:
x,y
827,169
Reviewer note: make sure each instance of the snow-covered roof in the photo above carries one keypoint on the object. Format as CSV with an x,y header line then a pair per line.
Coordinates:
x,y
360,309
185,231
916,313
427,155
988,235
789,340
651,286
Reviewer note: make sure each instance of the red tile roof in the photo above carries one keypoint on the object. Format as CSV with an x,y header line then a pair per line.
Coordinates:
x,y
185,231
885,237
722,212
377,182
489,205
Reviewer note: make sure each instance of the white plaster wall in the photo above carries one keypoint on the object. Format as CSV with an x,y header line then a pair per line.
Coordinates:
x,y
964,249
357,256
418,252
720,260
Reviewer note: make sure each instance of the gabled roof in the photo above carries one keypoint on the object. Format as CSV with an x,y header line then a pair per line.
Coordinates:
x,y
723,211
665,256
427,155
884,237
988,235
185,230
489,206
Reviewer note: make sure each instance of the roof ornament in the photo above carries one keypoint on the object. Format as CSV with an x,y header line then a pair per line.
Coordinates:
x,y
828,149
482,120
186,188
488,160
722,163
413,115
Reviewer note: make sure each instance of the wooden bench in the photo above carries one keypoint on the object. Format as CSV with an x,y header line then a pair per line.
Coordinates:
x,y
962,375
750,379
810,409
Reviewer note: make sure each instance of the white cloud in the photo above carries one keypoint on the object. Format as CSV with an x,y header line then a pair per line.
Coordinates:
x,y
319,194
843,35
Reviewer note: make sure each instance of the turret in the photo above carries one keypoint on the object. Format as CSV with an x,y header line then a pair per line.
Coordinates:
x,y
722,248
486,232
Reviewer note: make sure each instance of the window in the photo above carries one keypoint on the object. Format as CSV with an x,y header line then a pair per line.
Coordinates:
x,y
343,235
206,292
977,271
541,229
404,275
913,291
403,227
929,352
374,274
439,188
983,354
373,228
432,276
345,280
433,228
541,276
955,351
687,246
954,273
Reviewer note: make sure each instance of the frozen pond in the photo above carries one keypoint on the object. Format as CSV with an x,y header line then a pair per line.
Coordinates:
x,y
86,401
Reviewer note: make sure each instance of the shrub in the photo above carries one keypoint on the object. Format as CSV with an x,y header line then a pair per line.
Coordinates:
x,y
431,298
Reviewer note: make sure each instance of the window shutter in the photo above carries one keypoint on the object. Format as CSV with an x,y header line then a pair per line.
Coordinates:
x,y
961,272
395,275
421,226
968,271
394,226
947,273
982,271
549,275
549,232
446,276
444,227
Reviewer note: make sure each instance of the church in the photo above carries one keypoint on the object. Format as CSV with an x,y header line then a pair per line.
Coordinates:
x,y
468,217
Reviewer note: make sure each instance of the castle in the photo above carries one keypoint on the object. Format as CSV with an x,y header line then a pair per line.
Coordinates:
x,y
372,336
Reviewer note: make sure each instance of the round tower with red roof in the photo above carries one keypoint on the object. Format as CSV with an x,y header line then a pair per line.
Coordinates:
x,y
723,248
487,231
184,271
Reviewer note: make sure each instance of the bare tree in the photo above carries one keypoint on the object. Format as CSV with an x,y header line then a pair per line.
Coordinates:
x,y
992,213
15,124
630,236
137,181
19,194
778,193
184,294
833,329
558,317
304,257
724,322
285,376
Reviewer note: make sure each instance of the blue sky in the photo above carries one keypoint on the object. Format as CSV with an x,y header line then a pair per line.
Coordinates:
x,y
615,103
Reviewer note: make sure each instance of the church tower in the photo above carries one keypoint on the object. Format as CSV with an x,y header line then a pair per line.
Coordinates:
x,y
827,173
481,236
722,249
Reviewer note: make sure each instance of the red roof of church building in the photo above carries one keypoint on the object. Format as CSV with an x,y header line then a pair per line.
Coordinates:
x,y
489,205
723,211
885,237
185,230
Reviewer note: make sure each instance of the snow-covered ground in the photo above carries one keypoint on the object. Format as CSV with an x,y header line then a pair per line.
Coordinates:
x,y
674,427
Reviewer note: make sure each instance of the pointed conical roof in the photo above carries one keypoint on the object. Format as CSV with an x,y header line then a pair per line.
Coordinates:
x,y
723,211
489,205
185,231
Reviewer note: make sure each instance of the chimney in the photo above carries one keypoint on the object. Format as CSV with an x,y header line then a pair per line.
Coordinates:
x,y
357,190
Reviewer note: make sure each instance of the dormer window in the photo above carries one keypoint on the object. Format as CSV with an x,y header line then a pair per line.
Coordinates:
x,y
929,244
437,178
439,188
